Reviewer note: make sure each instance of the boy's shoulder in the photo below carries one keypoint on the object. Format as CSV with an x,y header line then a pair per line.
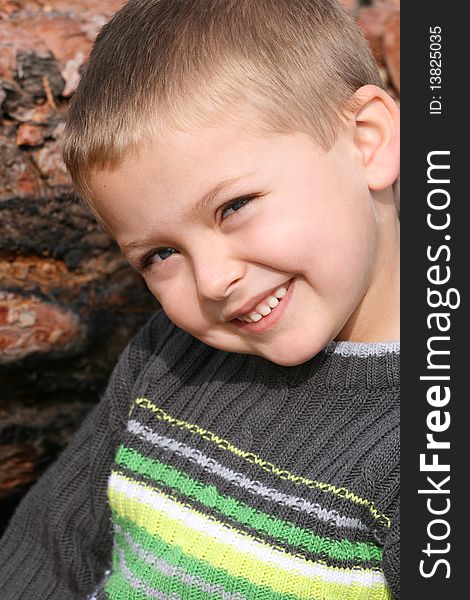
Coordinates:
x,y
149,356
156,333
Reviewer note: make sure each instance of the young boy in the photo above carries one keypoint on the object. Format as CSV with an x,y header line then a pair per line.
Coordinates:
x,y
243,154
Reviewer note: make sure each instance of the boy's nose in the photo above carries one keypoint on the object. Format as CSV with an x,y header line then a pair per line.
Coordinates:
x,y
216,278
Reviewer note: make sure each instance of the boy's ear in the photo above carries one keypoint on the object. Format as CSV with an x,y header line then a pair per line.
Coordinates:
x,y
377,135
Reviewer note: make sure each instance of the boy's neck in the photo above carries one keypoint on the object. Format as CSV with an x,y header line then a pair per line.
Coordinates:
x,y
377,318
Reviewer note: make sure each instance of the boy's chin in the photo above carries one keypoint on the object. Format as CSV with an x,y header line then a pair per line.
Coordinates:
x,y
292,354
295,348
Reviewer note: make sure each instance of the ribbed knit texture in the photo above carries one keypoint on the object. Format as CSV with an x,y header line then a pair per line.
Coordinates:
x,y
204,474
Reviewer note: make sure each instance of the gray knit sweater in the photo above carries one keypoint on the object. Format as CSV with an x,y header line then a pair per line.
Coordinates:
x,y
205,474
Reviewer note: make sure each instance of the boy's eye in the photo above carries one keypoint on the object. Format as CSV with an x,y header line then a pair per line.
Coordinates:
x,y
235,205
163,253
155,256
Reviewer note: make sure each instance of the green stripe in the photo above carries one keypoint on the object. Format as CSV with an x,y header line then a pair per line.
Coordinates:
x,y
193,566
154,578
281,530
269,467
117,588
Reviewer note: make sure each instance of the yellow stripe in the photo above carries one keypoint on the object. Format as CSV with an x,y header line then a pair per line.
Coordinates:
x,y
235,563
263,464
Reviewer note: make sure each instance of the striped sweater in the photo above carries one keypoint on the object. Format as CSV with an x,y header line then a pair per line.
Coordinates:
x,y
227,476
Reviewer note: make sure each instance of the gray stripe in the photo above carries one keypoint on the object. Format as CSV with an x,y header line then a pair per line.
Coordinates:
x,y
240,480
137,584
362,349
172,571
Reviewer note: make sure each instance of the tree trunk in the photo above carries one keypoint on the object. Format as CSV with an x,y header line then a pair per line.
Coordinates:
x,y
68,302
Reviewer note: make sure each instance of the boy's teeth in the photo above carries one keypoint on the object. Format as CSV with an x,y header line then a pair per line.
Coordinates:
x,y
280,292
263,309
273,301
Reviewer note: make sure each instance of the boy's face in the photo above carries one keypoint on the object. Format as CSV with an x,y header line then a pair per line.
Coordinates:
x,y
303,221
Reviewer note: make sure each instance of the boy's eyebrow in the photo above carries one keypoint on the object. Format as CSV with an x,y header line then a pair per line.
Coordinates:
x,y
201,204
208,196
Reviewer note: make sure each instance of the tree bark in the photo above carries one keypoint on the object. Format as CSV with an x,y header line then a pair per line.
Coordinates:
x,y
68,301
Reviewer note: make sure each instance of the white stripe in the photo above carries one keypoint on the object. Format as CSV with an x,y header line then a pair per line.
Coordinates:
x,y
363,349
175,571
138,584
240,480
239,542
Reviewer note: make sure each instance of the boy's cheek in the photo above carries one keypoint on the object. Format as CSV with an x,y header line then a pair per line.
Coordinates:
x,y
278,242
182,307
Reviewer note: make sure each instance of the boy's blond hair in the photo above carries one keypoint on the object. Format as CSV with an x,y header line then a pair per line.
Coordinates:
x,y
291,64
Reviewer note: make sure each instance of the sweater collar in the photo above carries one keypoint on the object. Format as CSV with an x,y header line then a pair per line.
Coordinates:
x,y
362,348
347,365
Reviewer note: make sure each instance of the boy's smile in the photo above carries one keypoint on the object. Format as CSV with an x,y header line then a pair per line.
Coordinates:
x,y
257,244
265,310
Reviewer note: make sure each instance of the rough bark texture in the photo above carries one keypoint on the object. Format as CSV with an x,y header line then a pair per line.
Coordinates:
x,y
68,301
